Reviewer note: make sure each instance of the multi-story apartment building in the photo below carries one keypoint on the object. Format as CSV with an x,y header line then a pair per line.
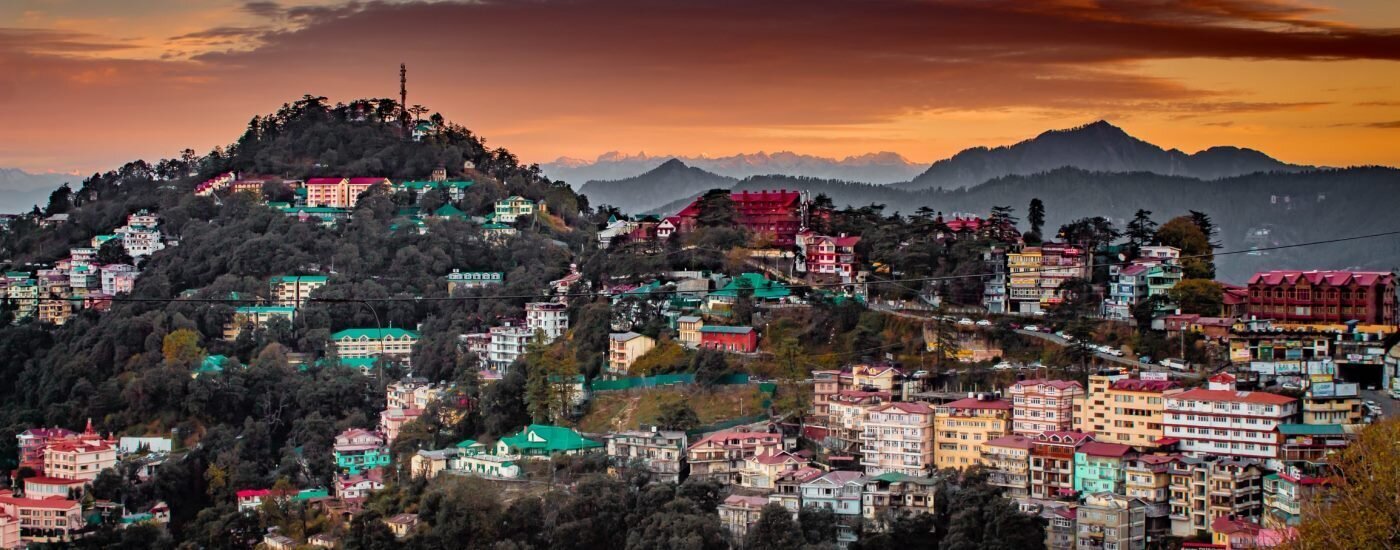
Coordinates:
x,y
890,495
625,348
1118,409
1052,464
994,286
761,472
1101,467
461,280
1287,491
39,521
738,513
358,450
1324,297
1043,405
1203,490
1037,272
374,342
413,393
658,452
898,438
825,255
1106,521
513,208
1137,282
1008,461
508,343
1327,402
1060,525
1149,479
1228,423
841,492
787,490
720,455
338,192
552,318
846,419
392,420
961,427
294,290
688,330
81,457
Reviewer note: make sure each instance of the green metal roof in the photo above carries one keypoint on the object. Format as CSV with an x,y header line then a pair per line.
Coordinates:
x,y
495,226
449,211
300,278
1311,429
212,364
373,333
763,288
555,439
266,309
894,477
726,330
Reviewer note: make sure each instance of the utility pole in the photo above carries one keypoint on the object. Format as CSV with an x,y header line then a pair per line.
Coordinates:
x,y
403,97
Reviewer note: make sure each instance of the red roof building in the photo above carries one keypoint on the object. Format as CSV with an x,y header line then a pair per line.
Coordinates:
x,y
825,255
1324,297
729,339
1228,423
1043,405
777,214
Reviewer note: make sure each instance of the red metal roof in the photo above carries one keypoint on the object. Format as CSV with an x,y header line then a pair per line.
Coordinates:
x,y
904,406
1134,384
1332,278
54,503
1235,396
324,181
975,403
1099,448
1057,384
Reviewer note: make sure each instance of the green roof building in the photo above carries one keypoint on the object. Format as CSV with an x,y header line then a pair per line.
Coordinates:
x,y
213,364
538,440
758,283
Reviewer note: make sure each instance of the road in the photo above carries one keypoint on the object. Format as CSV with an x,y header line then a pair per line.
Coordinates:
x,y
1124,361
1389,407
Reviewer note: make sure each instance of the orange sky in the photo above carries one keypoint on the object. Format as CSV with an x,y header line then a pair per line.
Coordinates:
x,y
89,84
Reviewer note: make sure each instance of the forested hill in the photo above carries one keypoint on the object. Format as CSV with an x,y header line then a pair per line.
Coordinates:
x,y
1261,209
128,369
657,187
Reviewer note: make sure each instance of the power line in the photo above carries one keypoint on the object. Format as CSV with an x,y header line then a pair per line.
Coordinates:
x,y
662,292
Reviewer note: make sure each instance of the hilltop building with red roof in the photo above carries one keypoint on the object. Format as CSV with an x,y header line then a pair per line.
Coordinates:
x,y
777,214
827,255
1324,297
338,192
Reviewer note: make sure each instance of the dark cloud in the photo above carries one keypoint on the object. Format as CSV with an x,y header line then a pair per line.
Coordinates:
x,y
263,9
224,33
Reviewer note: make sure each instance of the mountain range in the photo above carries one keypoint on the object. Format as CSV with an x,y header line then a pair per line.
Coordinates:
x,y
20,190
882,167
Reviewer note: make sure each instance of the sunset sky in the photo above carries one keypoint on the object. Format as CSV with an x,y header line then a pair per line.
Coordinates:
x,y
88,84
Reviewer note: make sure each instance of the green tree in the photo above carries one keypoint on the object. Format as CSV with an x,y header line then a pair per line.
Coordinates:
x,y
181,348
1197,256
112,252
818,524
676,414
1198,296
1035,215
1141,230
60,200
774,530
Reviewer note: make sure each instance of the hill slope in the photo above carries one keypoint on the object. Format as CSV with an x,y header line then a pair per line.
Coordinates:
x,y
20,190
882,167
1099,146
657,187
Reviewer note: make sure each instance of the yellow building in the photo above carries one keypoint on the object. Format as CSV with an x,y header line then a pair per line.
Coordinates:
x,y
294,290
963,426
1124,410
512,208
689,329
255,317
372,342
624,348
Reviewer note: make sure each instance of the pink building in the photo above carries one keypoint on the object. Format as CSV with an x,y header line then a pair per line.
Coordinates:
x,y
1043,405
721,455
898,438
822,254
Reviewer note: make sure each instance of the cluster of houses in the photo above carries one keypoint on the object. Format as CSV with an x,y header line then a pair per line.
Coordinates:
x,y
80,281
56,466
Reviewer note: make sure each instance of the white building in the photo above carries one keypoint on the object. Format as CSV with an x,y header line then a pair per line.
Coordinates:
x,y
1228,423
507,344
552,318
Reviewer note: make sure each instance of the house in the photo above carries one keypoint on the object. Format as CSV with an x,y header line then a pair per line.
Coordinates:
x,y
756,286
1118,409
729,339
1367,297
80,457
824,255
373,342
429,463
40,487
961,427
761,471
1008,462
738,513
357,450
452,190
216,183
721,455
1244,534
413,393
1037,272
660,453
393,418
460,280
543,441
841,492
294,290
1052,463
893,494
1142,280
1228,423
212,365
512,208
1149,479
487,465
1213,487
255,317
1101,467
551,318
402,525
1043,405
624,349
323,540
899,438
273,541
787,491
688,328
354,488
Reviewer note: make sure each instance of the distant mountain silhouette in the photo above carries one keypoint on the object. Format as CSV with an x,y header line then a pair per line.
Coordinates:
x,y
663,184
881,167
1099,147
20,190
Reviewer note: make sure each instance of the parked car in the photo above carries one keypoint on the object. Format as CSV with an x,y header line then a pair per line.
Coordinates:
x,y
984,323
1115,352
965,321
1032,328
1176,364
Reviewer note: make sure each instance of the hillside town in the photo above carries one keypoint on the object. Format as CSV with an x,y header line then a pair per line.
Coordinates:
x,y
338,360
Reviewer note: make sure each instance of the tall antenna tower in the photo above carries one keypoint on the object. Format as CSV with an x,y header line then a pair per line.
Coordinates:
x,y
403,97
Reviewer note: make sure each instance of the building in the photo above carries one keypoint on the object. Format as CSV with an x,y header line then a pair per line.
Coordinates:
x,y
508,343
358,450
1036,273
1203,490
729,339
1118,409
1137,282
38,521
1238,534
721,455
660,453
624,348
1008,462
401,525
1052,463
452,190
846,420
413,393
544,441
776,216
373,342
1106,520
392,419
1061,525
1148,479
761,471
1330,402
338,192
890,495
824,255
1228,423
688,330
1101,467
1324,297
79,456
255,317
461,280
961,427
352,489
294,290
551,318
1043,405
899,438
41,487
738,513
1287,491
512,208
757,286
841,492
